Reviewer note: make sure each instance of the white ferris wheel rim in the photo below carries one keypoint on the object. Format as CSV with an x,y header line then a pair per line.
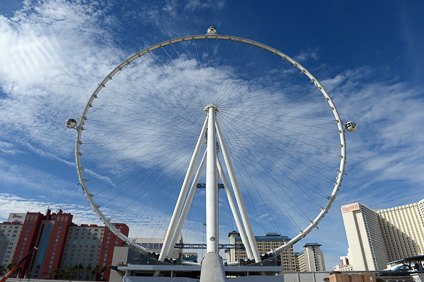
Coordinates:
x,y
338,121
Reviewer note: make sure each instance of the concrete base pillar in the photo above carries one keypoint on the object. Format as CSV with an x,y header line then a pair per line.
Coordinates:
x,y
212,269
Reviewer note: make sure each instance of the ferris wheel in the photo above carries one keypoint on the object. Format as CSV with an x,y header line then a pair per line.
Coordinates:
x,y
236,116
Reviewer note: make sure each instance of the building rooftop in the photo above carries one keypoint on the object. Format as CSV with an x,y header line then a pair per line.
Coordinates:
x,y
312,244
273,234
233,232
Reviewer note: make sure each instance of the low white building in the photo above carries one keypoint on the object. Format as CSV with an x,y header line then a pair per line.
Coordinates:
x,y
312,258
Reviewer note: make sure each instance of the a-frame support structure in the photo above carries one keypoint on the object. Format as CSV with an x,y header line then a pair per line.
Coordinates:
x,y
214,169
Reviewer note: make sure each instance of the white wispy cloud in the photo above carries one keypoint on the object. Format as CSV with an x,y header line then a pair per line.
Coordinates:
x,y
388,143
409,32
306,55
50,62
10,203
194,5
40,182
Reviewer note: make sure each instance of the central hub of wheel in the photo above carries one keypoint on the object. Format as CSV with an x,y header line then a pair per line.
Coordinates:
x,y
211,105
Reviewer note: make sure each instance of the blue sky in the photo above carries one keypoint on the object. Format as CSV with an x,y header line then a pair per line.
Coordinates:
x,y
366,54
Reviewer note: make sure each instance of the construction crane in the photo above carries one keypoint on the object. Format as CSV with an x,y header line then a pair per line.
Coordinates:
x,y
17,265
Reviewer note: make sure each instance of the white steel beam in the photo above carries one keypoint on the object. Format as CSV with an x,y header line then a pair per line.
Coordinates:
x,y
234,210
187,204
238,195
211,186
183,194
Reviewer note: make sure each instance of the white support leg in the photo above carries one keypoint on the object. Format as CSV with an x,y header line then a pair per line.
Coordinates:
x,y
234,210
211,186
183,194
238,196
187,204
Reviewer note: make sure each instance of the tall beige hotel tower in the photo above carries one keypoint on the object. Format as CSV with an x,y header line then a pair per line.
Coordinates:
x,y
377,237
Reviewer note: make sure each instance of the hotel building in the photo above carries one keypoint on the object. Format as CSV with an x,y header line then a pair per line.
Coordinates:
x,y
60,243
9,235
311,258
376,237
265,244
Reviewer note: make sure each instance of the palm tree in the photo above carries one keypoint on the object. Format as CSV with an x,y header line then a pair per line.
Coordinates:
x,y
97,268
103,269
58,273
2,269
10,266
79,270
94,271
70,271
88,268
